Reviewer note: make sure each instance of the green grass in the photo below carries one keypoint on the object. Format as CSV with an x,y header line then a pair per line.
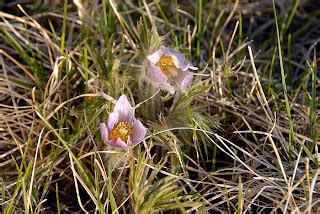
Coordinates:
x,y
244,137
284,85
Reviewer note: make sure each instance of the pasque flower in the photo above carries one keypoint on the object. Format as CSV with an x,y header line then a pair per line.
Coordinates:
x,y
122,128
167,65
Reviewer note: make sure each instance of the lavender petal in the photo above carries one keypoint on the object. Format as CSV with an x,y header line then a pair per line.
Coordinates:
x,y
156,75
124,110
112,120
183,80
179,60
120,144
138,132
104,132
160,79
154,58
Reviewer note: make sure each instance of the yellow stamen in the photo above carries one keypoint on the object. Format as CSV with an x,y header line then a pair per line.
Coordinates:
x,y
122,131
167,66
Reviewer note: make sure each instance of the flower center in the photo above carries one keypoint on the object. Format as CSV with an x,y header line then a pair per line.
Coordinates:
x,y
122,131
167,66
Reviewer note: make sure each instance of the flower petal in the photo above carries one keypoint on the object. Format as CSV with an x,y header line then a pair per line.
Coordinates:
x,y
138,132
183,80
124,110
104,132
105,136
178,59
111,143
120,143
112,120
154,58
156,75
167,87
160,79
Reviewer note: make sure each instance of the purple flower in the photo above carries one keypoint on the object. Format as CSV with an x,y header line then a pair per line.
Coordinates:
x,y
167,65
122,128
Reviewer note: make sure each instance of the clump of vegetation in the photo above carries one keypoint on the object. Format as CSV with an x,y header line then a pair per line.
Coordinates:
x,y
241,136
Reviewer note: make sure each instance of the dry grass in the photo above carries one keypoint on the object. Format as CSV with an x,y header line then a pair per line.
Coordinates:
x,y
244,138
